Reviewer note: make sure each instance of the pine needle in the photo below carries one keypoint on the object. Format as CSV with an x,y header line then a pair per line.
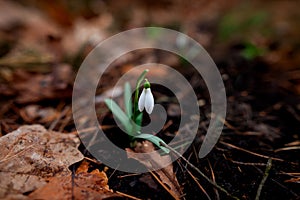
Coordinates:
x,y
199,172
266,174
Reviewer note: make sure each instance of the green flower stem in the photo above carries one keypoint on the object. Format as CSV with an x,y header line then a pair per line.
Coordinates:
x,y
136,98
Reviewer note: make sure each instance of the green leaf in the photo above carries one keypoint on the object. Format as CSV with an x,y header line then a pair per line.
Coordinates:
x,y
120,115
139,81
127,99
138,119
154,139
179,146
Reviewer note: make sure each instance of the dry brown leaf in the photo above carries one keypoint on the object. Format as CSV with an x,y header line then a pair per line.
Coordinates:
x,y
84,186
30,155
153,161
84,167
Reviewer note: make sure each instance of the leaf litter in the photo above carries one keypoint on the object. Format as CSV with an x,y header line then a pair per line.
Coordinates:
x,y
24,30
165,176
30,155
83,185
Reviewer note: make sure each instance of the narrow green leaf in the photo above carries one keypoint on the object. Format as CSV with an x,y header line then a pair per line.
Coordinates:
x,y
154,139
138,123
136,112
139,81
127,99
119,114
139,118
141,78
180,146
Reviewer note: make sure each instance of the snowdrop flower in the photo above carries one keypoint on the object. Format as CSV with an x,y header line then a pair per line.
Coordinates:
x,y
146,99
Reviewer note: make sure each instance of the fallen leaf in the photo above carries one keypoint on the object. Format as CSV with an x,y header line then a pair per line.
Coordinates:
x,y
84,167
30,155
84,186
153,161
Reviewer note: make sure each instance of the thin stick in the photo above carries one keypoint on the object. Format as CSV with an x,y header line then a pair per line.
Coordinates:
x,y
164,186
128,175
279,184
62,114
66,120
199,185
113,172
213,179
198,170
244,163
250,152
266,174
287,149
251,164
93,160
127,195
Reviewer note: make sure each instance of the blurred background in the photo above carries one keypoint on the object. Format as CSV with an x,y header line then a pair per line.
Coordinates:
x,y
255,44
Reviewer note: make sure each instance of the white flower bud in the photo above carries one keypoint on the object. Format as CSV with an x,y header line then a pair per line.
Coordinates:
x,y
146,101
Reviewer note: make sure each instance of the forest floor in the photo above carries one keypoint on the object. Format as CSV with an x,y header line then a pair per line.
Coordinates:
x,y
255,46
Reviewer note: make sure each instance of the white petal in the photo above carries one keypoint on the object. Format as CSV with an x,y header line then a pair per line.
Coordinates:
x,y
149,101
141,102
